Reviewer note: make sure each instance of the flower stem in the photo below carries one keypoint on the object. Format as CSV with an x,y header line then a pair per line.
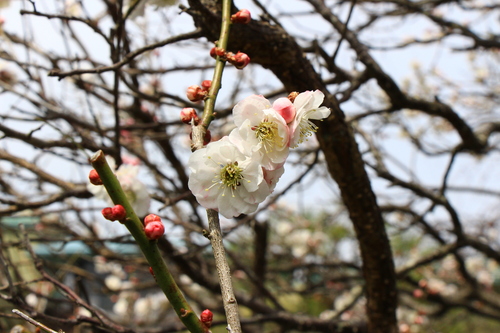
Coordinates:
x,y
148,248
223,272
198,133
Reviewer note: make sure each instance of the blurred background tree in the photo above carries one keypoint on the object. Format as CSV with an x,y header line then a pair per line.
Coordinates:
x,y
386,221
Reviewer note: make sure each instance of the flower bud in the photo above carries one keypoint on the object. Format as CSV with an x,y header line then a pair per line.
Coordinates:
x,y
108,213
114,213
154,230
292,95
240,60
206,317
119,212
218,51
94,177
151,218
213,54
206,84
189,116
285,108
243,17
195,93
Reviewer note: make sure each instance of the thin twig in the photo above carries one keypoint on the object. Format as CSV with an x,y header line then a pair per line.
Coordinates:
x,y
34,322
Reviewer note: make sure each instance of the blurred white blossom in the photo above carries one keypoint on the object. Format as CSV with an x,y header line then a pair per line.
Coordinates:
x,y
134,189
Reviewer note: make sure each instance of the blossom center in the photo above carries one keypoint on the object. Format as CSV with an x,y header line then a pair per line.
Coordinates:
x,y
267,133
231,174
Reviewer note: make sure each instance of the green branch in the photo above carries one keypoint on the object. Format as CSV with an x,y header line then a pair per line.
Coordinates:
x,y
149,248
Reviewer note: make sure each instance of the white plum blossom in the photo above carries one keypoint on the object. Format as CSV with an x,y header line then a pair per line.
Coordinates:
x,y
263,127
135,190
226,179
235,174
307,106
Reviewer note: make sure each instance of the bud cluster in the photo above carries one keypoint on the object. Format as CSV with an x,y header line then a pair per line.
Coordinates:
x,y
195,93
114,213
153,227
239,60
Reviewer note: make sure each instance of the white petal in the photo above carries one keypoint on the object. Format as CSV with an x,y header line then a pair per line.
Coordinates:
x,y
250,108
320,113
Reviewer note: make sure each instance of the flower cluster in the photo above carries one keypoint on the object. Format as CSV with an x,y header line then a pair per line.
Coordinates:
x,y
235,174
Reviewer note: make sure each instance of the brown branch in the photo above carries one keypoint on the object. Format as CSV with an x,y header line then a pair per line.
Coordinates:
x,y
397,97
128,57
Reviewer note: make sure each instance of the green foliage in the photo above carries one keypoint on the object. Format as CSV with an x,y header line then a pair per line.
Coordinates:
x,y
462,321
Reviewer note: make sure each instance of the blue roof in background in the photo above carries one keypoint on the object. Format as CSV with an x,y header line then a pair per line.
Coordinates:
x,y
79,247
61,248
14,221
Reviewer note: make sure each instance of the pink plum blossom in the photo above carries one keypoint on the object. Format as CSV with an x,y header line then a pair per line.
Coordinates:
x,y
307,106
264,128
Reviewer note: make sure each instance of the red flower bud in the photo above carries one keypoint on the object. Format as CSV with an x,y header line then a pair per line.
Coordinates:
x,y
243,17
114,213
108,213
94,177
154,230
151,218
206,317
119,212
189,116
195,93
213,54
218,51
240,60
206,84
